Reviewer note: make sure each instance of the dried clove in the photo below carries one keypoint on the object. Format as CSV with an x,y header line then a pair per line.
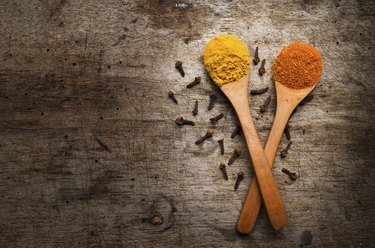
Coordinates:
x,y
206,136
236,131
195,110
181,121
264,106
284,152
236,154
172,96
262,70
256,59
212,100
287,131
259,91
196,81
178,65
221,144
224,171
307,99
216,118
303,131
240,176
292,175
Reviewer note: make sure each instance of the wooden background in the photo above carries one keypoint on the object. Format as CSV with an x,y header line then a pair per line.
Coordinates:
x,y
89,151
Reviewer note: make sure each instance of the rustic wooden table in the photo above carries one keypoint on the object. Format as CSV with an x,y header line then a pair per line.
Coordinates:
x,y
90,153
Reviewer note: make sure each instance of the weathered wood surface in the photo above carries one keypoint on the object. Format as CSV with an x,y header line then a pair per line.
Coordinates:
x,y
89,151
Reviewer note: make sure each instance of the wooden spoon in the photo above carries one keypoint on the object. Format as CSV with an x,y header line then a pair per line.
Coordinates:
x,y
287,101
237,94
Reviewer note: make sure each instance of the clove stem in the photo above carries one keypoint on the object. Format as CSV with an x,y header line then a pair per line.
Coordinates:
x,y
206,136
240,176
212,100
235,155
196,81
256,56
172,96
284,152
216,118
262,69
264,106
224,171
221,144
178,65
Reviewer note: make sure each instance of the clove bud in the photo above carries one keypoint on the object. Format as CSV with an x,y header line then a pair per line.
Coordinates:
x,y
206,136
216,118
212,100
221,144
195,110
236,131
292,175
236,154
181,121
264,106
287,131
262,70
224,171
178,65
256,59
196,81
284,152
172,96
240,176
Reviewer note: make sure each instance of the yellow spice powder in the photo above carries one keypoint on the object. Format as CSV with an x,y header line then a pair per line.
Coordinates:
x,y
226,59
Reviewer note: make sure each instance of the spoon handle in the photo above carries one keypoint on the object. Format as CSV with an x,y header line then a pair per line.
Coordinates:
x,y
252,204
268,187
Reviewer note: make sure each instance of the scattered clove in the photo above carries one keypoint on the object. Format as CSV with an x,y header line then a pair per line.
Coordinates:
x,y
172,96
221,144
195,110
240,176
292,175
303,131
307,99
262,70
236,131
256,59
212,100
206,136
264,106
236,154
259,91
216,118
181,121
287,131
196,81
178,65
224,171
284,152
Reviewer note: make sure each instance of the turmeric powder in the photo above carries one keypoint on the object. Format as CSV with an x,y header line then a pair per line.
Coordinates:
x,y
226,59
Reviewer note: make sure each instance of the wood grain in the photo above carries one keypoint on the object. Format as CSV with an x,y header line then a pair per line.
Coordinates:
x,y
74,73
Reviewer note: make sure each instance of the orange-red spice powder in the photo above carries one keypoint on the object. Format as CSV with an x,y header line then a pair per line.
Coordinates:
x,y
298,66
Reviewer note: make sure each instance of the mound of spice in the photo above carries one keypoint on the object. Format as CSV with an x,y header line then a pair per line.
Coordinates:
x,y
226,59
298,66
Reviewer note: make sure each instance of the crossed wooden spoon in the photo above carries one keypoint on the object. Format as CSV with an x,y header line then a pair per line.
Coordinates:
x,y
288,97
